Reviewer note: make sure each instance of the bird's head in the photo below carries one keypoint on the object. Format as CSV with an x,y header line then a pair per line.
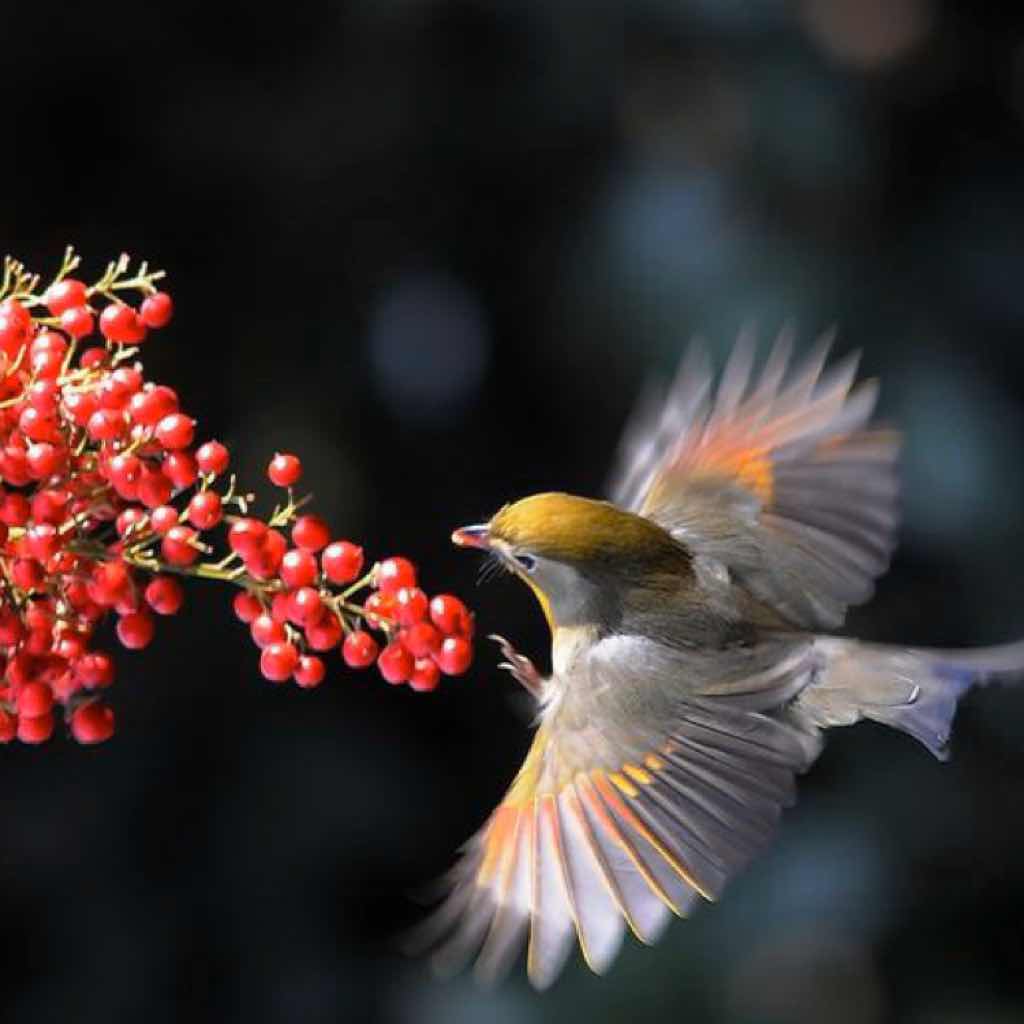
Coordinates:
x,y
582,558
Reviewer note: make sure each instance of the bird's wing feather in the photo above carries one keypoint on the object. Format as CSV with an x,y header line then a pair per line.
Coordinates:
x,y
778,477
607,827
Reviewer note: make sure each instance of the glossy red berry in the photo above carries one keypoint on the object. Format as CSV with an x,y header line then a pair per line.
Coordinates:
x,y
411,606
266,630
180,469
395,663
324,634
342,562
64,295
278,661
310,671
395,573
246,536
298,568
121,324
246,606
284,470
450,615
135,631
205,510
310,533
152,404
92,723
359,649
35,730
95,670
305,607
176,431
425,675
177,545
35,699
455,656
213,458
8,726
156,310
164,595
422,639
79,323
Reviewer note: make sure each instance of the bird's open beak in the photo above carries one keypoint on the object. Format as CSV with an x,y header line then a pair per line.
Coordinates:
x,y
478,536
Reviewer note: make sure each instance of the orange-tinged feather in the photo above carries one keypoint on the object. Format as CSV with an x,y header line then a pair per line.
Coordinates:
x,y
635,823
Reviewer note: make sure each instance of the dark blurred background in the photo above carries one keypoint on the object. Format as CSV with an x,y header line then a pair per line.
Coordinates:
x,y
436,247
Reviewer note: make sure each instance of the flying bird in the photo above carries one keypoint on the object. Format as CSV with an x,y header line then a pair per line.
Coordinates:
x,y
695,666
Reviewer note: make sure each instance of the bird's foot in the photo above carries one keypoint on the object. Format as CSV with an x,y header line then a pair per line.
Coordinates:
x,y
519,666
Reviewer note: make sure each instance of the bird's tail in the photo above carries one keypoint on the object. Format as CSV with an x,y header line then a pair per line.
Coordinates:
x,y
915,690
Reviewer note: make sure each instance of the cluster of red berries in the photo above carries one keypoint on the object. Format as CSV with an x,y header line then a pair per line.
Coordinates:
x,y
105,499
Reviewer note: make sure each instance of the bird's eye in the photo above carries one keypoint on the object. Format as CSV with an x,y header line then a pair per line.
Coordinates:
x,y
526,562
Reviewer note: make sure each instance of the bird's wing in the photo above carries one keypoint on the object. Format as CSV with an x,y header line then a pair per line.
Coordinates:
x,y
606,827
777,476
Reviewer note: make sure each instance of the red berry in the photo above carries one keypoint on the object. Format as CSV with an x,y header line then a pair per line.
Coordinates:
x,y
37,426
121,324
449,614
176,431
247,606
213,458
204,510
359,649
310,671
410,605
156,310
111,581
310,533
65,294
45,459
395,663
35,699
284,470
395,573
422,639
44,395
135,631
163,518
154,488
79,323
379,608
106,425
95,670
342,562
8,726
246,536
35,730
27,573
278,661
152,404
11,627
298,568
180,468
177,545
132,520
281,607
92,723
305,607
455,656
80,405
164,595
425,676
324,634
266,630
43,541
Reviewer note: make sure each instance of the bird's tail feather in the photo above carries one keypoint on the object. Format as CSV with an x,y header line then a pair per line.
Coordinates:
x,y
915,690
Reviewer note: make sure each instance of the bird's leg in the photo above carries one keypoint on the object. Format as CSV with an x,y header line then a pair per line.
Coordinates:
x,y
519,666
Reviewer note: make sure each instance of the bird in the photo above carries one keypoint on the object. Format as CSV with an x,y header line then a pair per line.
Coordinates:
x,y
696,663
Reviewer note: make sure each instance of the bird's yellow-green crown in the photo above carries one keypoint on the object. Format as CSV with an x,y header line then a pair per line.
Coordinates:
x,y
567,528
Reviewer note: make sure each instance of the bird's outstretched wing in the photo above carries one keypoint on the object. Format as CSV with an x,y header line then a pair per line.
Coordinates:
x,y
776,476
604,829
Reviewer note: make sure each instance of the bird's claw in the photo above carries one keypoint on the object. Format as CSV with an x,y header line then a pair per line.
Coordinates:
x,y
519,666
